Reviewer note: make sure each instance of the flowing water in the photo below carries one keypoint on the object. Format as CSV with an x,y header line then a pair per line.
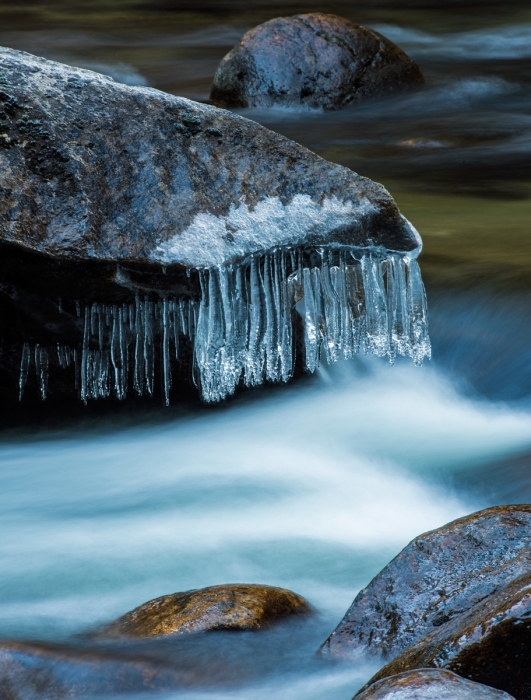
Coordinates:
x,y
313,486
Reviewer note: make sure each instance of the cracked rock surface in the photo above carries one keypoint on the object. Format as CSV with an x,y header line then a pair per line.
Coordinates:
x,y
316,60
435,579
428,684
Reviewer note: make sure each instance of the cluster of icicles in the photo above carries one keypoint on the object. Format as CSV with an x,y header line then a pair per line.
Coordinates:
x,y
242,328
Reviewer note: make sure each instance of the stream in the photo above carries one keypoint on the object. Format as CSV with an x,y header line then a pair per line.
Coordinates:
x,y
313,486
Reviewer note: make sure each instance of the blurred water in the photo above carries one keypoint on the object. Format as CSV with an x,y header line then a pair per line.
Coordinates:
x,y
314,486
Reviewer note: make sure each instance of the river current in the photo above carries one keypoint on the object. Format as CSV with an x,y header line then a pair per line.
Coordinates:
x,y
314,486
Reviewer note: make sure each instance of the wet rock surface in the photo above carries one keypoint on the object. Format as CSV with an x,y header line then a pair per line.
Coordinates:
x,y
226,607
110,192
313,60
427,684
437,578
97,171
490,643
30,671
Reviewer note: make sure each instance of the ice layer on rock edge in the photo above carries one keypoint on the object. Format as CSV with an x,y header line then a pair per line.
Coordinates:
x,y
243,326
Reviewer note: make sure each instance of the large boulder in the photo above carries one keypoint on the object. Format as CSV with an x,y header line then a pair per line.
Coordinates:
x,y
437,577
245,607
428,684
95,171
490,643
136,226
46,672
314,60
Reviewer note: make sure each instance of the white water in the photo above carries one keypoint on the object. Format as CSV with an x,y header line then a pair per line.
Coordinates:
x,y
314,487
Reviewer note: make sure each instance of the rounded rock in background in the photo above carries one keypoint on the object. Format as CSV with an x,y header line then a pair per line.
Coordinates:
x,y
226,607
314,60
430,684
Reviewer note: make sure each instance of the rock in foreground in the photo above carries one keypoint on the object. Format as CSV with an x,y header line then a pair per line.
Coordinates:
x,y
39,672
143,234
490,643
314,60
226,607
437,577
427,684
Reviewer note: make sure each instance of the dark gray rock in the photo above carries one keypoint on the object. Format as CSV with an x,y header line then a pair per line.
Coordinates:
x,y
490,643
437,577
225,607
92,170
41,672
314,60
110,194
427,684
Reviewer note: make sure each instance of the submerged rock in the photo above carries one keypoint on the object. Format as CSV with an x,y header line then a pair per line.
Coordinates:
x,y
490,643
314,60
427,684
437,577
140,231
41,672
226,607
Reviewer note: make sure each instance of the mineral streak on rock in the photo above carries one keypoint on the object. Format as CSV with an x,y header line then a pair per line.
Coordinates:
x,y
132,221
314,60
436,578
31,671
226,607
489,643
429,684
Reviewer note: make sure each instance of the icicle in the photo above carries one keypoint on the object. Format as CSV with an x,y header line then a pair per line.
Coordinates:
x,y
166,371
241,328
312,290
25,362
377,339
420,346
255,354
41,368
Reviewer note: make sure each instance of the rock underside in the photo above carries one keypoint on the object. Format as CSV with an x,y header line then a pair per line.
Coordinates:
x,y
314,60
225,607
437,578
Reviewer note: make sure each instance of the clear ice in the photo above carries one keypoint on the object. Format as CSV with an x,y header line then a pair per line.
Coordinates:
x,y
242,329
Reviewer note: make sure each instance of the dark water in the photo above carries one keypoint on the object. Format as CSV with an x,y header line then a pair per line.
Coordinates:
x,y
317,485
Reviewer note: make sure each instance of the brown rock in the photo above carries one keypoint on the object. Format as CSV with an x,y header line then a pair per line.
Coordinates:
x,y
428,684
50,672
227,607
315,60
435,578
490,643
